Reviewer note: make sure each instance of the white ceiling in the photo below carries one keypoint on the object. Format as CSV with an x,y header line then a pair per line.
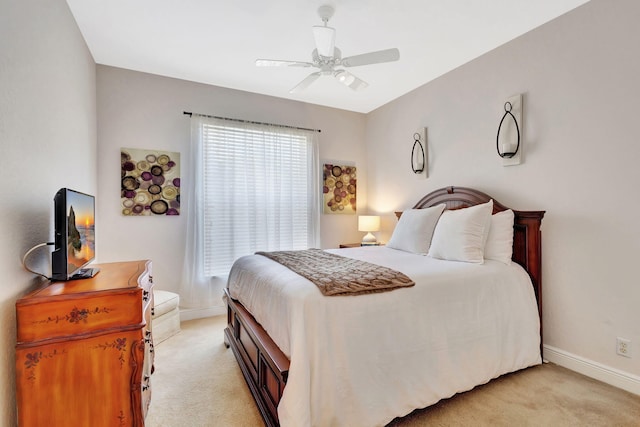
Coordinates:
x,y
217,42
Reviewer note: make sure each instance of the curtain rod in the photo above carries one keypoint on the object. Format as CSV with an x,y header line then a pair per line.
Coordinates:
x,y
189,113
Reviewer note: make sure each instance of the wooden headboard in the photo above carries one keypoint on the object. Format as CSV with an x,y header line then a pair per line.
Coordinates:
x,y
527,249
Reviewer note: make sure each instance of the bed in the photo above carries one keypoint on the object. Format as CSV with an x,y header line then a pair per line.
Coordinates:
x,y
312,360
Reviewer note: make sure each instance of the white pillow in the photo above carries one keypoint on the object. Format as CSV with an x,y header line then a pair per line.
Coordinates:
x,y
499,245
414,229
461,234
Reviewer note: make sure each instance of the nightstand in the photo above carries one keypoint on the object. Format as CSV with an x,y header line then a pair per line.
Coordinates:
x,y
349,245
355,245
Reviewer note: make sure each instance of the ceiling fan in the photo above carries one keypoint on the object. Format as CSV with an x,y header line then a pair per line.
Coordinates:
x,y
328,58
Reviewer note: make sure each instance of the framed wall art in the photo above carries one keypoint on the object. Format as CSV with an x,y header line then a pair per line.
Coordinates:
x,y
149,182
339,183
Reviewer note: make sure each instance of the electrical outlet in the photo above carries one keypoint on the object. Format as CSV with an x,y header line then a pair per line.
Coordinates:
x,y
623,347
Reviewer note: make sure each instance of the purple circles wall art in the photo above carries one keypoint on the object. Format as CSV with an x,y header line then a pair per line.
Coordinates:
x,y
149,182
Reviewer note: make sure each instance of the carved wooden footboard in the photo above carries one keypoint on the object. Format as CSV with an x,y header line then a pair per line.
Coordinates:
x,y
265,367
263,364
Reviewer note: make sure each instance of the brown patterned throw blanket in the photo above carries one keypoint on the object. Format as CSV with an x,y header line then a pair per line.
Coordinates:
x,y
338,275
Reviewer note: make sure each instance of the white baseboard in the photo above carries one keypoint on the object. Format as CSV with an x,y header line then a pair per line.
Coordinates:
x,y
598,371
199,313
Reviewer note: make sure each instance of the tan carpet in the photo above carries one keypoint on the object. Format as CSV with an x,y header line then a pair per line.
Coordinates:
x,y
197,383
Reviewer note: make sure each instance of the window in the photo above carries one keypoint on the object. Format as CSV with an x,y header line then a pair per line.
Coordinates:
x,y
260,191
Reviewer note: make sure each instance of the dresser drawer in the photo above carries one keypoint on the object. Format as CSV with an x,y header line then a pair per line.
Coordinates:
x,y
78,314
78,382
110,299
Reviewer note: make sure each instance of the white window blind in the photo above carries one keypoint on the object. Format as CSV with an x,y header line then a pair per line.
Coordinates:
x,y
260,191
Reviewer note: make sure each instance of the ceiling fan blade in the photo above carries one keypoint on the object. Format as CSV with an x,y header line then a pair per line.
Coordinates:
x,y
325,40
350,80
387,55
279,63
305,83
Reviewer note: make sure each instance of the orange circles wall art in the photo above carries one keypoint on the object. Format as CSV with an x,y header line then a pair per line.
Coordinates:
x,y
339,189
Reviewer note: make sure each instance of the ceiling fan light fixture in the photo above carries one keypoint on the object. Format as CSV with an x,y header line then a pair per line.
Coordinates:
x,y
325,40
358,84
344,77
348,79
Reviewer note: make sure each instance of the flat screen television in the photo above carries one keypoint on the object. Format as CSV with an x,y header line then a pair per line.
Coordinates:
x,y
75,235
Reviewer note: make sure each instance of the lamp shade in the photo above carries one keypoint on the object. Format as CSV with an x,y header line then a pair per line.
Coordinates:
x,y
368,223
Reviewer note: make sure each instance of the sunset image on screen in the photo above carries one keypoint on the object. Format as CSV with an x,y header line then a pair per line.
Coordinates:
x,y
81,229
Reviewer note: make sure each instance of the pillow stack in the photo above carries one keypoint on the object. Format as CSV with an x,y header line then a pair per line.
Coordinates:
x,y
470,234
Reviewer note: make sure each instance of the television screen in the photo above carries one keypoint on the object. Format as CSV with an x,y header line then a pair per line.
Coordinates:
x,y
74,235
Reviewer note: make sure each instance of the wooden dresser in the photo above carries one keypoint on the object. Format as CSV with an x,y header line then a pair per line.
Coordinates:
x,y
84,352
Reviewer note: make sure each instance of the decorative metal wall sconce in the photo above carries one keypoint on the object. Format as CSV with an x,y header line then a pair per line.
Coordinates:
x,y
508,150
508,139
419,153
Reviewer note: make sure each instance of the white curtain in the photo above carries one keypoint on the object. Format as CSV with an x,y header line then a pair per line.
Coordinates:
x,y
250,187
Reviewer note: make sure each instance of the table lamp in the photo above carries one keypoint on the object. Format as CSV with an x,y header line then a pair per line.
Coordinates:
x,y
368,223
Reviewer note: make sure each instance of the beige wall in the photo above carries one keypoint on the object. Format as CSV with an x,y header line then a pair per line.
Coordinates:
x,y
141,110
579,76
47,141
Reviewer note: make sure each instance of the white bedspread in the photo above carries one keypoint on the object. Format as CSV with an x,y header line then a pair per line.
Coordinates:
x,y
364,360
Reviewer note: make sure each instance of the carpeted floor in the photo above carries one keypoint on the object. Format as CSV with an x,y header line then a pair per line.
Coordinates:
x,y
197,383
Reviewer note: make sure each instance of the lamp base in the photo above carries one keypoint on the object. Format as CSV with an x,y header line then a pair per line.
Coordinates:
x,y
369,239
